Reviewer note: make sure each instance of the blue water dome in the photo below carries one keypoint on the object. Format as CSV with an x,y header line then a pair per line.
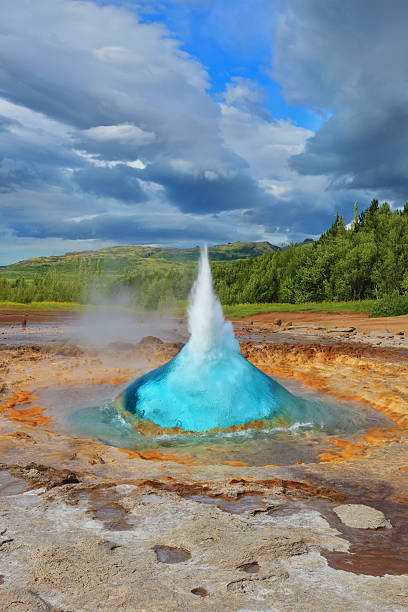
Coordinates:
x,y
209,384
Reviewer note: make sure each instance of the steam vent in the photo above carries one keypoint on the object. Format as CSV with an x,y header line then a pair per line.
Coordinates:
x,y
209,384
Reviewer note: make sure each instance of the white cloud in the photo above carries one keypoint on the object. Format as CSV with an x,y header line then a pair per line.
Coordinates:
x,y
110,133
123,133
267,145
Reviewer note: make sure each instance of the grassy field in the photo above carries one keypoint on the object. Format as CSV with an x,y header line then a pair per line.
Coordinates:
x,y
245,310
43,306
232,312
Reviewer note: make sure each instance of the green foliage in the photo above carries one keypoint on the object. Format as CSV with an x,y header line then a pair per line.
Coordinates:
x,y
51,287
391,306
366,261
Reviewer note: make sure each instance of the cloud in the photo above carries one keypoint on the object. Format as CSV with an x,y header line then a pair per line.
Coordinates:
x,y
122,133
126,121
31,151
120,181
110,134
348,62
295,204
165,225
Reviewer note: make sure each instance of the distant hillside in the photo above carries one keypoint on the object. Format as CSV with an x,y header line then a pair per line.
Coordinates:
x,y
115,261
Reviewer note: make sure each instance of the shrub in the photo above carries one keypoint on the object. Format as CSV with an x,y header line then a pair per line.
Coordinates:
x,y
391,306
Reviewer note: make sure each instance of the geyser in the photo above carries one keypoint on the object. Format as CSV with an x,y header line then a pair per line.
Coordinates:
x,y
209,384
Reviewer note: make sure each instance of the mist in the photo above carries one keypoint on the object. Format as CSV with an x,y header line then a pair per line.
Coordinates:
x,y
116,319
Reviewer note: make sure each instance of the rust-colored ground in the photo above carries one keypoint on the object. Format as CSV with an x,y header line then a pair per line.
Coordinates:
x,y
376,377
372,376
361,321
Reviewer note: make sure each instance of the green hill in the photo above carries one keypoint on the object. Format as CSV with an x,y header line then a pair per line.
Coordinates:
x,y
115,261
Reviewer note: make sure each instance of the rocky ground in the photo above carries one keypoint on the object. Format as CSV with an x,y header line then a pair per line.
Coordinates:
x,y
387,332
85,526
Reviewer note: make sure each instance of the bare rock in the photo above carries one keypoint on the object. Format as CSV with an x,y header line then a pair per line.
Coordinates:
x,y
176,346
44,476
362,517
380,333
343,330
228,543
150,342
21,600
277,322
68,350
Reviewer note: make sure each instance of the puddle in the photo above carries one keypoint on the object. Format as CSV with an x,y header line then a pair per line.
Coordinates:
x,y
170,554
10,485
200,591
375,552
372,552
113,517
104,507
249,568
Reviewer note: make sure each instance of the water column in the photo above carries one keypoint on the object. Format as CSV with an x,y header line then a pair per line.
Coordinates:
x,y
209,384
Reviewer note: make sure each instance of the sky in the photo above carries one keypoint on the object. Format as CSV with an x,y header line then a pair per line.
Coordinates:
x,y
180,122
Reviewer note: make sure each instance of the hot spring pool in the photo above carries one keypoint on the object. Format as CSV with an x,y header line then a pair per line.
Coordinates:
x,y
210,405
90,412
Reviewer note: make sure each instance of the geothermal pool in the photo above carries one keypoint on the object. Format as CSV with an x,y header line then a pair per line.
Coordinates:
x,y
210,405
89,412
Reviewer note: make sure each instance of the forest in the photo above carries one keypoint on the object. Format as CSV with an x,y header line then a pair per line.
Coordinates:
x,y
369,259
366,260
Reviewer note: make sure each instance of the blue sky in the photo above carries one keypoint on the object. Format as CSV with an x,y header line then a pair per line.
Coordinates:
x,y
179,122
230,42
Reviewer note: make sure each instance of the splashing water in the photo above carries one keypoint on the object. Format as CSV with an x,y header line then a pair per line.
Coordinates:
x,y
210,335
209,384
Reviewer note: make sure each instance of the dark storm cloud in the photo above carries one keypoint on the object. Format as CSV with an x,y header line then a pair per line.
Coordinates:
x,y
108,131
206,191
127,91
290,218
119,182
28,159
349,60
126,229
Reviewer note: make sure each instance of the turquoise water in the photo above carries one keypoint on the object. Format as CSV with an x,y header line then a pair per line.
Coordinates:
x,y
210,385
278,442
208,388
217,393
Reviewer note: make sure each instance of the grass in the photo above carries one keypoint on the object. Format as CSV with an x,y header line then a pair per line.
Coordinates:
x,y
236,311
245,310
42,306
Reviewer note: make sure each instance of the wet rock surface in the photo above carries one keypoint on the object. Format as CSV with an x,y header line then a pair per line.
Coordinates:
x,y
57,558
171,554
82,522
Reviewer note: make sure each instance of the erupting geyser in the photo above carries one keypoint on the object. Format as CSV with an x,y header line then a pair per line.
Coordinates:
x,y
209,384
